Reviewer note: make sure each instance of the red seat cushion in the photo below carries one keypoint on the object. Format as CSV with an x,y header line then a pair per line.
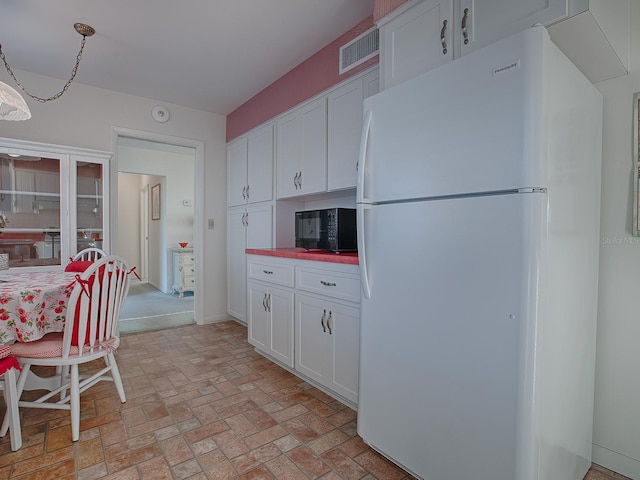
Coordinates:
x,y
7,363
78,266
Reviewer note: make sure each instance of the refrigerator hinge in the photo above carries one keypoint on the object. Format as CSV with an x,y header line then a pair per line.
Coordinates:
x,y
532,190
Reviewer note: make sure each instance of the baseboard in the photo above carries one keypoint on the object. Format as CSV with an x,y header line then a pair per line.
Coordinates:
x,y
223,317
617,462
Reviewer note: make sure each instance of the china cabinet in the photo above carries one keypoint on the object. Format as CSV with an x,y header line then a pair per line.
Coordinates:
x,y
54,199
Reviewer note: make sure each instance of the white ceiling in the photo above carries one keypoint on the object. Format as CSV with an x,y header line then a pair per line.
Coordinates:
x,y
211,55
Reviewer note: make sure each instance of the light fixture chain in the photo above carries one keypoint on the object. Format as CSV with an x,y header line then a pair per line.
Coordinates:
x,y
66,86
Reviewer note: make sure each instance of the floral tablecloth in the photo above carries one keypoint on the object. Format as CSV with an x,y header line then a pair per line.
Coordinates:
x,y
33,304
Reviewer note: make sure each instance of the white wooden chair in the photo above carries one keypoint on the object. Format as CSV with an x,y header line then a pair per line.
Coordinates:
x,y
89,254
9,387
91,333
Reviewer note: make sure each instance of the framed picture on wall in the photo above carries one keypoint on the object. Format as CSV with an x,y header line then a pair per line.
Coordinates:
x,y
155,202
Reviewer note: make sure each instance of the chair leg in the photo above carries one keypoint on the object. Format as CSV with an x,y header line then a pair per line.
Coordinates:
x,y
75,403
62,371
13,413
115,374
20,387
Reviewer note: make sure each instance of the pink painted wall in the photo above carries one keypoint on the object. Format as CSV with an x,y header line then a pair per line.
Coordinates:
x,y
316,74
383,7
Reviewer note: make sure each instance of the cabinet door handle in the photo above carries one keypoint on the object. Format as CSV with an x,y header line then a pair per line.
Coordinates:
x,y
300,180
465,33
264,302
329,322
443,39
327,284
295,180
247,187
246,219
268,302
324,314
243,192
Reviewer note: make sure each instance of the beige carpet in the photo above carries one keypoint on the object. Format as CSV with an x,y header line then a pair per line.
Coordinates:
x,y
147,308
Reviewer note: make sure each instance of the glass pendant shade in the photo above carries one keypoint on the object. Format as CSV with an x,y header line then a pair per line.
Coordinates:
x,y
12,105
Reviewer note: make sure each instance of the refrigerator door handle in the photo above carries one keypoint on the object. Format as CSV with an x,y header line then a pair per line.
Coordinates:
x,y
364,140
362,253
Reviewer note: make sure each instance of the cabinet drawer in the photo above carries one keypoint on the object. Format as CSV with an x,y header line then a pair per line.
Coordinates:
x,y
188,282
333,284
271,272
187,270
188,259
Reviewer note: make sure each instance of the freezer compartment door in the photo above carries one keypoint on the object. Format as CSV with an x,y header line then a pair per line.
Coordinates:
x,y
473,125
445,333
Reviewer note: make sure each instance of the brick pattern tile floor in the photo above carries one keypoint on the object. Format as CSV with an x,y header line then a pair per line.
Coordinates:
x,y
201,404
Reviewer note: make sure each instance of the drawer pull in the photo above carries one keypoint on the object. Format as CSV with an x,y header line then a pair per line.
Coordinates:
x,y
268,272
327,284
329,322
324,314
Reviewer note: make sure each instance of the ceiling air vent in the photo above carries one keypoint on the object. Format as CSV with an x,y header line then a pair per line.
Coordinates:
x,y
359,50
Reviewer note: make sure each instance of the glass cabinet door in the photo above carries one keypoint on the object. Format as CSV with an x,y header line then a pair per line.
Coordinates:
x,y
53,202
90,208
30,220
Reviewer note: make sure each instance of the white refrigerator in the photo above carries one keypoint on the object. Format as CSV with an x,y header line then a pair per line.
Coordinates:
x,y
478,225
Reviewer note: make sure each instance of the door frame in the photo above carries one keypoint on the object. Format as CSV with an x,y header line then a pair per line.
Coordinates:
x,y
144,234
198,204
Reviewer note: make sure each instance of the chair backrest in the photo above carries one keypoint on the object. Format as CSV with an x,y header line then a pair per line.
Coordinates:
x,y
89,254
94,306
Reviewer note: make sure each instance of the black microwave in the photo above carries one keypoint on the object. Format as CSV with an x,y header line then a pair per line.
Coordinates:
x,y
332,229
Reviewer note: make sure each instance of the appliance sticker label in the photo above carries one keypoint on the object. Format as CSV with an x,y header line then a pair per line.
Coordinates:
x,y
506,68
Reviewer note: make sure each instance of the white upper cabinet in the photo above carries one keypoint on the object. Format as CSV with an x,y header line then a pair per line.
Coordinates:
x,y
260,165
237,172
596,37
414,39
482,23
302,150
344,125
344,111
423,34
250,167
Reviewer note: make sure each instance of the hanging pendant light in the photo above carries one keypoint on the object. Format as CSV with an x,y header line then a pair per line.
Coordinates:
x,y
13,106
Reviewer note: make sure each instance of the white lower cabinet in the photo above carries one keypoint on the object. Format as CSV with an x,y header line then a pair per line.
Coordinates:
x,y
306,315
328,343
271,321
247,227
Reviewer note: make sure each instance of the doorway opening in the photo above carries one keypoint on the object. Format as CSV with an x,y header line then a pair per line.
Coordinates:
x,y
158,182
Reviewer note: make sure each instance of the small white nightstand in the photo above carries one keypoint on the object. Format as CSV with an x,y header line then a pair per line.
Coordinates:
x,y
184,279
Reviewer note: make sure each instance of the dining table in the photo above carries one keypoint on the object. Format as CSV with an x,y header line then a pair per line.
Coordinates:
x,y
33,304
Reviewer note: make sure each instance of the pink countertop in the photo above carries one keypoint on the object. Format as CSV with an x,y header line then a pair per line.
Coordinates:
x,y
302,254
